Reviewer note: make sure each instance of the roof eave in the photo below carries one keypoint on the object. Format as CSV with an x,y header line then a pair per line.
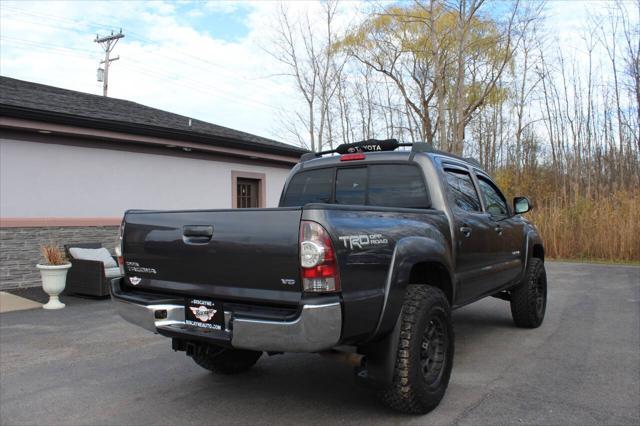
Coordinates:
x,y
142,129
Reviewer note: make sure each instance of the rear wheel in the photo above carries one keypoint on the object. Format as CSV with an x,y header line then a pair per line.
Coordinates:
x,y
529,299
425,352
225,360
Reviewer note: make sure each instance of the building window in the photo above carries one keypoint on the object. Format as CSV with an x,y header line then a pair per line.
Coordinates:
x,y
247,196
248,190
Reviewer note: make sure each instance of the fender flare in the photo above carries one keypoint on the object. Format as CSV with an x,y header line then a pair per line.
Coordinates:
x,y
531,239
381,350
408,252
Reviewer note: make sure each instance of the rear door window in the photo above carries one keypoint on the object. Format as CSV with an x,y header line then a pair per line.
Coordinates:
x,y
312,186
461,190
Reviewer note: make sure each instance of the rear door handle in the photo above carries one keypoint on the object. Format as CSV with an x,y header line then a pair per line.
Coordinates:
x,y
498,229
466,231
197,234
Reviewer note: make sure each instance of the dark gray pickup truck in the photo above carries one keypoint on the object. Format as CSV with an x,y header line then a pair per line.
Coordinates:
x,y
363,261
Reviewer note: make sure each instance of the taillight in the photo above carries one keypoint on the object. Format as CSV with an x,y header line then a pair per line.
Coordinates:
x,y
119,248
317,259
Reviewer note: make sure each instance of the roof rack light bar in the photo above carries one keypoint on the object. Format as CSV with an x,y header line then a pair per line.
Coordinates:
x,y
369,145
377,145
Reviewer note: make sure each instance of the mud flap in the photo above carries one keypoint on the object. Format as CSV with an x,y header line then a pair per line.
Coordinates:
x,y
380,360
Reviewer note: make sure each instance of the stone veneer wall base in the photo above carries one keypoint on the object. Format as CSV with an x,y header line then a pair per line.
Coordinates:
x,y
20,249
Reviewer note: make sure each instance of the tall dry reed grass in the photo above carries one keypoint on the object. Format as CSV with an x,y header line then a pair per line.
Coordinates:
x,y
606,228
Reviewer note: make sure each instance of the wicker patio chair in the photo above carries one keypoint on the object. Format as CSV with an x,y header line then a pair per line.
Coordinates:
x,y
87,277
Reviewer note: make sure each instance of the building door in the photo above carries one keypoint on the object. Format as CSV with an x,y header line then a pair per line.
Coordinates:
x,y
247,193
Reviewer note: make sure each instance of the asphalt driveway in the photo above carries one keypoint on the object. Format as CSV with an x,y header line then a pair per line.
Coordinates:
x,y
83,365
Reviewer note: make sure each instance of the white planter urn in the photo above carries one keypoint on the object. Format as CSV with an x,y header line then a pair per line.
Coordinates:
x,y
54,278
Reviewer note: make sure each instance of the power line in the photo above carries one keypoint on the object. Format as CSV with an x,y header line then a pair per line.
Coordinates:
x,y
168,78
47,46
198,86
84,23
186,82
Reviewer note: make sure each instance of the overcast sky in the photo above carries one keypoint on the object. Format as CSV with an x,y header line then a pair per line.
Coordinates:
x,y
203,60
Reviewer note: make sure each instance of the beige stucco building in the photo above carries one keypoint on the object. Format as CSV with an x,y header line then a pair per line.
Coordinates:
x,y
71,163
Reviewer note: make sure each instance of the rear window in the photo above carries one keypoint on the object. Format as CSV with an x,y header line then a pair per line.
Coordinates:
x,y
386,185
399,186
312,186
351,186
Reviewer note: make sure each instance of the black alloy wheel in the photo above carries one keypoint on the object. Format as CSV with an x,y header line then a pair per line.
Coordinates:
x,y
433,354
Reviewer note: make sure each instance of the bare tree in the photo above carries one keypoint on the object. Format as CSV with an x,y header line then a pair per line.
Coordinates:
x,y
308,57
561,125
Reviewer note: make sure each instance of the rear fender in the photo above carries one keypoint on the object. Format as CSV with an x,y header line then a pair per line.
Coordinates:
x,y
409,252
381,350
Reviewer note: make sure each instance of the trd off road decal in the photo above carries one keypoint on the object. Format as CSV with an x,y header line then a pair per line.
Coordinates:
x,y
363,241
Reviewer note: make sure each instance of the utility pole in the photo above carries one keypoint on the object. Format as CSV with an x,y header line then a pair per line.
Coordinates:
x,y
107,43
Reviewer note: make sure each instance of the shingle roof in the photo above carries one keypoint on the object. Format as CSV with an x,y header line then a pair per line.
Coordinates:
x,y
28,97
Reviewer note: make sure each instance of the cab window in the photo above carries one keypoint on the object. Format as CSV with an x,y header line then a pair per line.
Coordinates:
x,y
494,201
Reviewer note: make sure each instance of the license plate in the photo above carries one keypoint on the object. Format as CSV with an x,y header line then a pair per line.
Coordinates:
x,y
204,314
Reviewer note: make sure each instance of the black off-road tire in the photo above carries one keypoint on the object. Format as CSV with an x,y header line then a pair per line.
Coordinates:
x,y
425,352
529,299
225,360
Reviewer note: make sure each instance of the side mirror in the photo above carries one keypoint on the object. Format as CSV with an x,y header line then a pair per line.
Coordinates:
x,y
521,205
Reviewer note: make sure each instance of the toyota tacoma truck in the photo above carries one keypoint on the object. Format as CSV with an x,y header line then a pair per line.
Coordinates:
x,y
363,261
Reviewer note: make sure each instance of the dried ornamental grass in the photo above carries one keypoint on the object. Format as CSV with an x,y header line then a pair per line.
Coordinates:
x,y
603,228
53,255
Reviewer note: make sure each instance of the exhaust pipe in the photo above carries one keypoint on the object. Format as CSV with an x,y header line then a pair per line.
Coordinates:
x,y
349,358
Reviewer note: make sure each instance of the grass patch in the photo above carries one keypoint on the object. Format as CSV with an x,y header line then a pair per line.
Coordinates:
x,y
597,261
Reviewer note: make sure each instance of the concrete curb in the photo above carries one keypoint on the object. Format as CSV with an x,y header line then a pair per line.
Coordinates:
x,y
10,302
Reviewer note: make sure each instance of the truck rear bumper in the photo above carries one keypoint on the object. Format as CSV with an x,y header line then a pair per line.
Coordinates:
x,y
316,328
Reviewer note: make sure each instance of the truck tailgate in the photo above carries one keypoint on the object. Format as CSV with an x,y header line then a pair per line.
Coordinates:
x,y
235,255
